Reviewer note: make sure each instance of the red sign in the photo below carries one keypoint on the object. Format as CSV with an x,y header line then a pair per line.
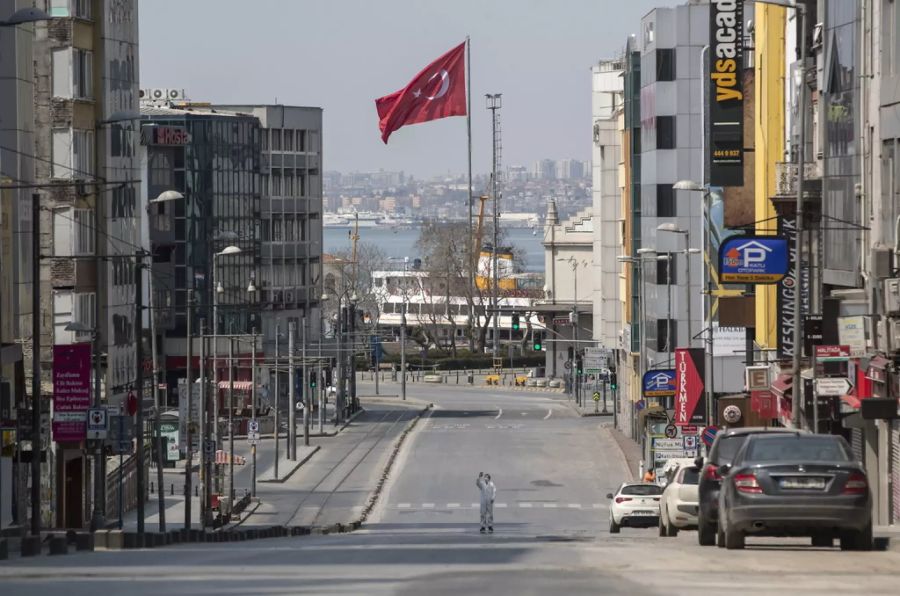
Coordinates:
x,y
71,391
689,403
826,352
690,429
764,403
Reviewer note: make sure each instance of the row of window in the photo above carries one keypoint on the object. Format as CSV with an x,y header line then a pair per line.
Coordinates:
x,y
283,229
73,73
284,183
71,8
72,153
73,232
283,139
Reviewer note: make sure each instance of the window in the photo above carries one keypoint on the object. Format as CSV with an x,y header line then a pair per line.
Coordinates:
x,y
277,230
665,64
664,343
73,153
81,8
665,270
289,140
665,201
276,183
83,238
70,8
62,73
301,140
665,132
276,140
82,77
264,140
83,308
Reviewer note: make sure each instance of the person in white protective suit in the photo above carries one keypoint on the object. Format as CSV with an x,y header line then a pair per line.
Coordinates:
x,y
488,492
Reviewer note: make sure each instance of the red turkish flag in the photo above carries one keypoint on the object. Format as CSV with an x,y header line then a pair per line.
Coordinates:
x,y
438,91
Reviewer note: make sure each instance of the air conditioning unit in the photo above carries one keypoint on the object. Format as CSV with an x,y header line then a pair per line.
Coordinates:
x,y
173,94
158,94
277,296
880,257
894,335
288,296
892,296
144,93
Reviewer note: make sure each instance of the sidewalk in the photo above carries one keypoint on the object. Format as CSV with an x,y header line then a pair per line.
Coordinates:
x,y
631,451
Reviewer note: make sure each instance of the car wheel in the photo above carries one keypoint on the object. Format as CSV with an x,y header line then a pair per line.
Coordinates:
x,y
671,530
662,526
822,540
613,526
706,533
734,539
720,536
861,540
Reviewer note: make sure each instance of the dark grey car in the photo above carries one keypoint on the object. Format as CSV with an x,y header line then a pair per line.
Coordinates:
x,y
796,485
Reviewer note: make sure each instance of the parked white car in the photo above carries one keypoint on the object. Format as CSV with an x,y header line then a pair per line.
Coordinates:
x,y
634,505
680,501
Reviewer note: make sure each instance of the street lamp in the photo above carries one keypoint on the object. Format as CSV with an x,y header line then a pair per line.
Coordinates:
x,y
687,252
25,15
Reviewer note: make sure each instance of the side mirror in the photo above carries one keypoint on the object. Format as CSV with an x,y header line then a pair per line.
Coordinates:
x,y
609,495
698,461
724,469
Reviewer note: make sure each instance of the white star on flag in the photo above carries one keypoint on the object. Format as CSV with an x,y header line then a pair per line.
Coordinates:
x,y
417,93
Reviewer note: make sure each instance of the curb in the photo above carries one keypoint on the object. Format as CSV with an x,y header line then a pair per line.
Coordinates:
x,y
295,467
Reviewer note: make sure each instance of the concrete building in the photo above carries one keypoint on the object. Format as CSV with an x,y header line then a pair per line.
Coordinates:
x,y
569,286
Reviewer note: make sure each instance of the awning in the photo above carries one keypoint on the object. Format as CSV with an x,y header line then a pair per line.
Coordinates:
x,y
782,384
877,369
238,385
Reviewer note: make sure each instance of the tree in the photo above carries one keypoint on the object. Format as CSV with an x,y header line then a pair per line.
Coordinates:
x,y
345,277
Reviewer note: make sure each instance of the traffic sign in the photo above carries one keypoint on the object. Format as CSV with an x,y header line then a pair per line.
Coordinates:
x,y
97,423
253,438
253,426
690,442
709,435
832,353
833,386
596,396
671,431
209,447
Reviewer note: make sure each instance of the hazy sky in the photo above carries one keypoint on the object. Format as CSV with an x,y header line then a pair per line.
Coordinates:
x,y
342,54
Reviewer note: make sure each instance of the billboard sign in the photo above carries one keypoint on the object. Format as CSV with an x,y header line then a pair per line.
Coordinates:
x,y
659,383
786,291
753,259
690,407
71,391
726,96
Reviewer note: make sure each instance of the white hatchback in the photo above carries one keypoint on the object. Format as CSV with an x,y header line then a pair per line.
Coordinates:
x,y
680,502
634,505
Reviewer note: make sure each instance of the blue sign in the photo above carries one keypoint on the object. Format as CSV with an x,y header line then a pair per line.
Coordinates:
x,y
709,435
659,383
753,259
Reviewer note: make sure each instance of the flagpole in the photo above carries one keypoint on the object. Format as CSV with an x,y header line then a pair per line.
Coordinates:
x,y
472,256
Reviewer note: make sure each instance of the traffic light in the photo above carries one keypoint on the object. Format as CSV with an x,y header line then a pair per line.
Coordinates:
x,y
515,322
578,364
312,379
613,380
536,343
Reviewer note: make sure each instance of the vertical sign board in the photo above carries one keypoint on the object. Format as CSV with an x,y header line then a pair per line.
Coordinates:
x,y
787,318
690,403
71,391
726,96
183,414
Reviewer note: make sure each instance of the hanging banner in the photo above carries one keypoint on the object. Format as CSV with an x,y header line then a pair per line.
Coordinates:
x,y
753,259
726,97
690,405
659,383
787,316
71,391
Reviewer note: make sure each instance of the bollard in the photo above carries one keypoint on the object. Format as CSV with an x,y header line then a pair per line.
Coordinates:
x,y
84,541
196,494
31,546
58,545
172,489
151,488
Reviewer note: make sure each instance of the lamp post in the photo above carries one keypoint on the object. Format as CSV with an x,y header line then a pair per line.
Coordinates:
x,y
687,252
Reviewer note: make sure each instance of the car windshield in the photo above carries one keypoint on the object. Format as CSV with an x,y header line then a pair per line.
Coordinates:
x,y
796,448
727,448
642,489
690,476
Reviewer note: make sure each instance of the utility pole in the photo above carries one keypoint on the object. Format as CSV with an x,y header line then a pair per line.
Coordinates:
x,y
403,353
253,414
139,381
231,421
36,438
277,397
797,401
157,406
292,436
304,383
494,103
188,424
204,479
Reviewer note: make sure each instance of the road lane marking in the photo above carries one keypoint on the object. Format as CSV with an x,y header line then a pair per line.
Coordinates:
x,y
452,505
549,413
476,505
500,413
549,505
574,505
403,505
524,413
500,505
525,505
598,505
427,505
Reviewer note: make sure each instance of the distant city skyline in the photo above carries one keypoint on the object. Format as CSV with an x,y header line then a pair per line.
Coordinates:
x,y
341,55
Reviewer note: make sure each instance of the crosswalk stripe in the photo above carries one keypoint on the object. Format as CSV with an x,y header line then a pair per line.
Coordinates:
x,y
549,505
427,505
452,505
598,505
574,505
525,505
476,505
500,505
403,505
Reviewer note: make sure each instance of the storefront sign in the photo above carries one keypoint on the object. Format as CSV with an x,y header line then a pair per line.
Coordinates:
x,y
764,403
154,134
659,383
726,97
787,316
832,353
71,391
852,332
729,341
690,406
753,259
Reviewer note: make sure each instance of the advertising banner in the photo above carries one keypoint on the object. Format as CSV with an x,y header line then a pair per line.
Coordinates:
x,y
753,259
787,317
726,97
690,405
71,391
659,383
